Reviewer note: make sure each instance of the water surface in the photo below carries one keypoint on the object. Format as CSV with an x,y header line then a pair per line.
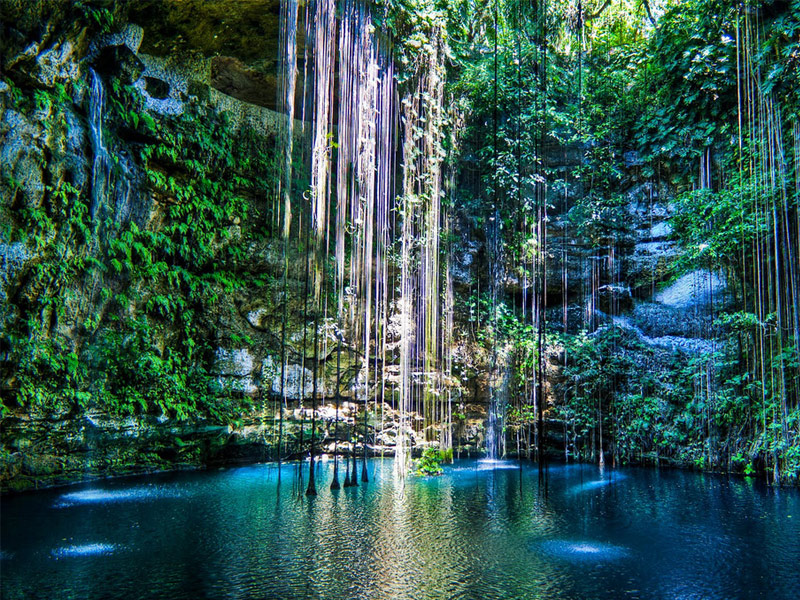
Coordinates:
x,y
483,530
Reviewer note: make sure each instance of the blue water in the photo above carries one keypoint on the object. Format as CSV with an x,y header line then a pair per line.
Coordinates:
x,y
482,530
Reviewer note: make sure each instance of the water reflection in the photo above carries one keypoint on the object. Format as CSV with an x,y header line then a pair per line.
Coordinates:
x,y
470,533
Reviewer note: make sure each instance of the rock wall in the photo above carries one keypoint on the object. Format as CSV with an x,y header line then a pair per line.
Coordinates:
x,y
46,448
173,72
126,85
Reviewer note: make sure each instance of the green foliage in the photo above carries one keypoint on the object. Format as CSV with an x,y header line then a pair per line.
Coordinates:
x,y
430,463
781,55
137,378
96,13
601,220
140,345
49,376
722,228
693,74
518,416
670,84
494,322
416,26
694,66
686,410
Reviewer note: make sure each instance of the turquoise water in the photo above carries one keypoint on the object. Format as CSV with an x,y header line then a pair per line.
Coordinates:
x,y
482,530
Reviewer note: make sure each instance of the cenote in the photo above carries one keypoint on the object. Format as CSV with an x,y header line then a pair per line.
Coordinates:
x,y
480,530
240,236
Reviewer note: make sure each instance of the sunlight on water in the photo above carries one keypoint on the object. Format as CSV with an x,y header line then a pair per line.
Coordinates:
x,y
487,464
99,496
583,551
84,550
599,483
489,530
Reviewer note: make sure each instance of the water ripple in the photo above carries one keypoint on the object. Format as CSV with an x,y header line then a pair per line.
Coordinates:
x,y
481,530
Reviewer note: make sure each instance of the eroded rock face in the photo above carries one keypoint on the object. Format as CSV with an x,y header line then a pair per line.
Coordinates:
x,y
298,381
57,63
614,298
650,264
236,369
240,39
13,258
21,160
130,36
231,76
46,449
656,320
164,85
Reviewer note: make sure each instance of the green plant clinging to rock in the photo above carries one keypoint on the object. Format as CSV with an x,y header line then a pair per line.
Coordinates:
x,y
430,463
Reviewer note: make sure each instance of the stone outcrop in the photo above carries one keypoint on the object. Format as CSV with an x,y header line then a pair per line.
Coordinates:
x,y
46,449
